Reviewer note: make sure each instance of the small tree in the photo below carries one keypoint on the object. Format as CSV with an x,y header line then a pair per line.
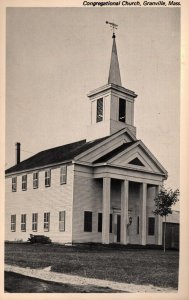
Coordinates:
x,y
163,203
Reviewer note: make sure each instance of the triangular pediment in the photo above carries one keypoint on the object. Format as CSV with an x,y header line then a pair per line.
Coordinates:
x,y
136,162
137,156
122,149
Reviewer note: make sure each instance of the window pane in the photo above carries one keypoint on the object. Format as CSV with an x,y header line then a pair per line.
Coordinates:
x,y
88,221
99,115
47,178
122,107
34,221
63,174
62,215
13,222
46,221
14,184
151,226
23,222
35,180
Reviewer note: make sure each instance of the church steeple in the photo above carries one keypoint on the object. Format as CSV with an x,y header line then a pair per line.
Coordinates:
x,y
112,105
114,72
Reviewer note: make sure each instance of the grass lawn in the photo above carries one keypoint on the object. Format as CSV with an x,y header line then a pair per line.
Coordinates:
x,y
117,263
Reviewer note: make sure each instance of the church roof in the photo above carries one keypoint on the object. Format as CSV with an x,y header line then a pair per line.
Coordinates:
x,y
114,72
54,155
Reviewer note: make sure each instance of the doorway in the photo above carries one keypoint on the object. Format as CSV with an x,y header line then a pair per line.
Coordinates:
x,y
118,228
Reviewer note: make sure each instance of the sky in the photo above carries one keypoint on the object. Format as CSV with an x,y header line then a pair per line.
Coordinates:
x,y
55,56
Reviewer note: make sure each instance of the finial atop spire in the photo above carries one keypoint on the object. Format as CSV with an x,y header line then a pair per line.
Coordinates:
x,y
113,26
114,72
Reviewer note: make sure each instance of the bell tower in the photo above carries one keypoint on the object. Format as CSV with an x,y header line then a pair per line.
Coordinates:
x,y
112,105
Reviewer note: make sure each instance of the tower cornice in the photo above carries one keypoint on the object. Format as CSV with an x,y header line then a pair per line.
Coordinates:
x,y
112,86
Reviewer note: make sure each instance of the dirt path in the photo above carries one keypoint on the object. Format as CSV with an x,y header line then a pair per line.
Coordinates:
x,y
46,274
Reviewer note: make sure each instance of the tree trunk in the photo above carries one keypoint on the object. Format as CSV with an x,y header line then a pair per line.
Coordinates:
x,y
164,235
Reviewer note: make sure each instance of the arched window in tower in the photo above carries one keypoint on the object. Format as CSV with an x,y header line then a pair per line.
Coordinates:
x,y
122,110
99,111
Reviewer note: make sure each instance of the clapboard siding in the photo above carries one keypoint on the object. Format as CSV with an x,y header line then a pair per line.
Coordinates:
x,y
44,199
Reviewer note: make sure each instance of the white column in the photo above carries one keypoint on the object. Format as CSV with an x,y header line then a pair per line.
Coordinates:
x,y
158,232
124,210
106,210
143,213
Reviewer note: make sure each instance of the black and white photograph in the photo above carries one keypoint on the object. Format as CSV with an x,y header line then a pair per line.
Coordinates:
x,y
92,148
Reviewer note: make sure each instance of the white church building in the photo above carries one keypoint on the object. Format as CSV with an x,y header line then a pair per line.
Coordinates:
x,y
100,189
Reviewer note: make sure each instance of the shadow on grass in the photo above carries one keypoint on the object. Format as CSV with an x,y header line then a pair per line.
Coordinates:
x,y
16,283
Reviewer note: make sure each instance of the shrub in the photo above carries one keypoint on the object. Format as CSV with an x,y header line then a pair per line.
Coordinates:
x,y
42,239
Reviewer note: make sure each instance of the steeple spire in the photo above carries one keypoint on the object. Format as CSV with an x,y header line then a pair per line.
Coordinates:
x,y
114,72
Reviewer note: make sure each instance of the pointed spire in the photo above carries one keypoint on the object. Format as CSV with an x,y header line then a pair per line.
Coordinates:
x,y
114,72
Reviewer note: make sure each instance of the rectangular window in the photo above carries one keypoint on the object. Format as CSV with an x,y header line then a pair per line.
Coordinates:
x,y
99,222
35,180
46,221
23,222
14,184
24,182
88,221
110,223
138,225
34,221
122,110
63,174
62,220
48,178
99,111
13,222
151,226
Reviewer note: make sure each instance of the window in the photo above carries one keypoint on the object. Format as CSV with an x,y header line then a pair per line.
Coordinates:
x,y
13,222
99,111
110,223
63,174
46,221
99,222
34,221
24,182
35,180
23,222
151,226
48,178
88,221
122,110
138,225
14,184
62,220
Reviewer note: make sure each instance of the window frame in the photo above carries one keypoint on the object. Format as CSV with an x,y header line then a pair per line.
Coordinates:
x,y
151,230
34,222
23,222
122,110
35,180
13,223
14,184
24,182
88,221
48,178
62,221
63,174
99,110
46,224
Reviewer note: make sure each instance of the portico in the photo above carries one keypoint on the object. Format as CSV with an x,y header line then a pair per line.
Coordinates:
x,y
131,205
